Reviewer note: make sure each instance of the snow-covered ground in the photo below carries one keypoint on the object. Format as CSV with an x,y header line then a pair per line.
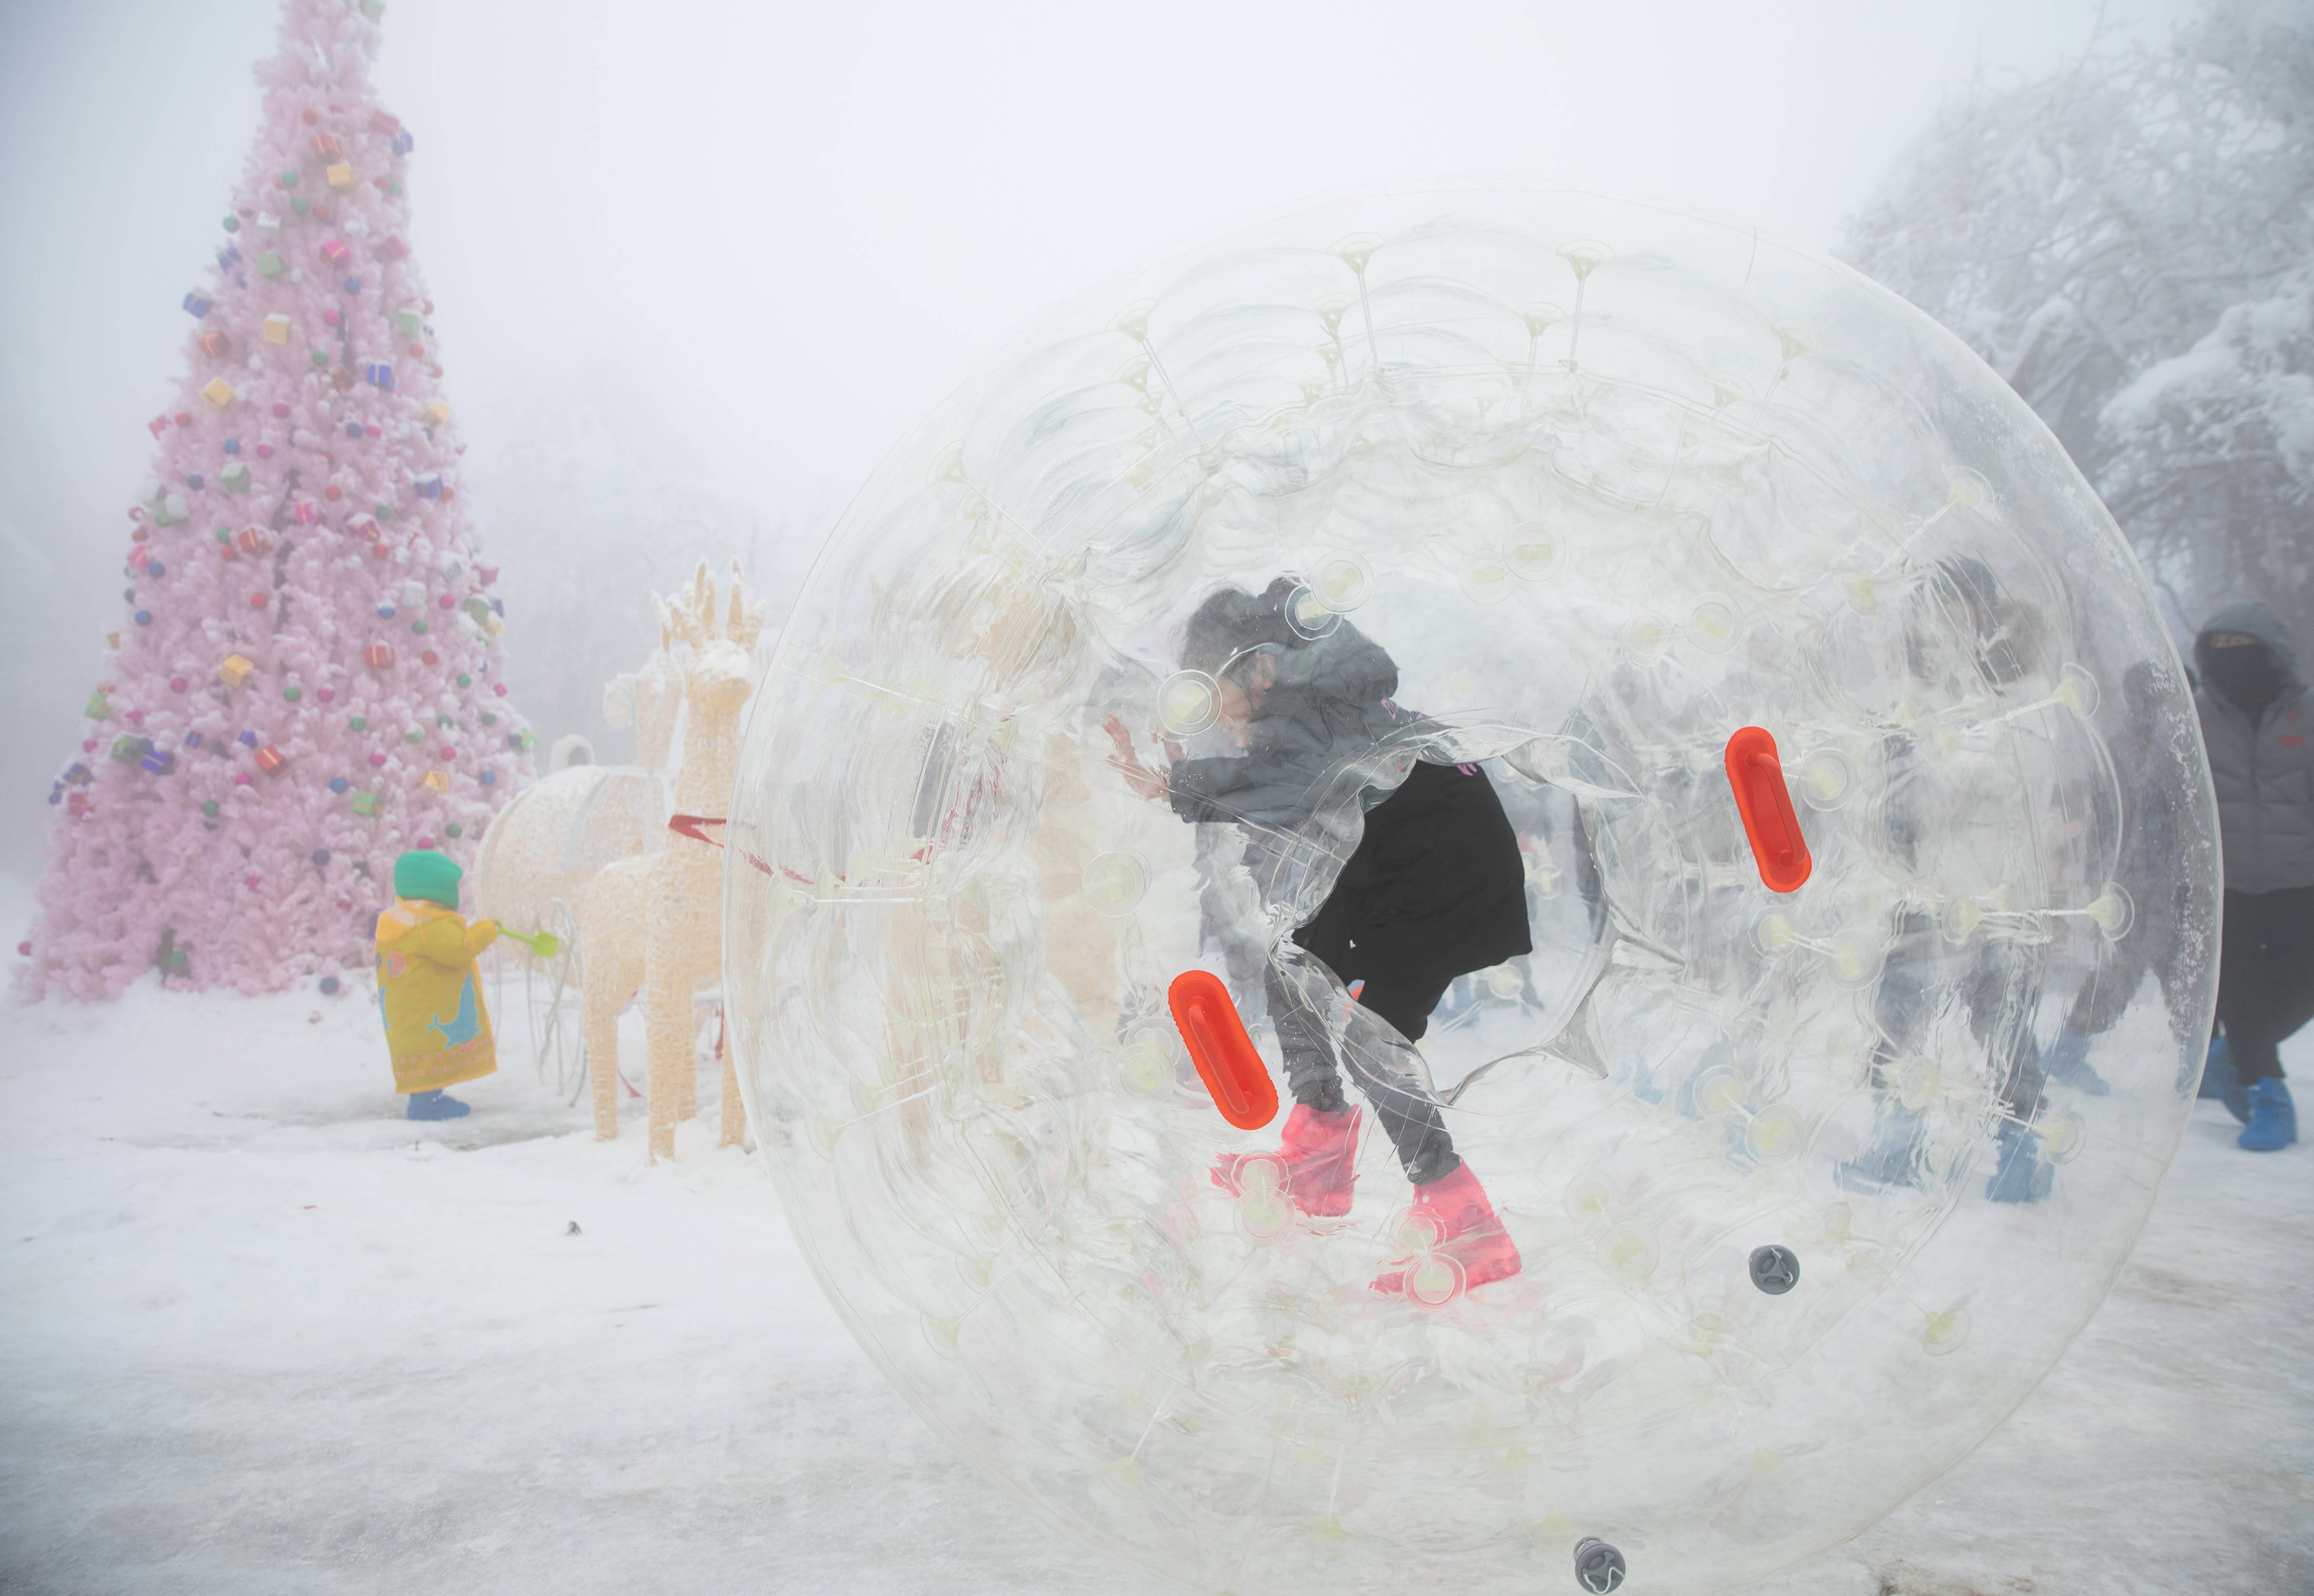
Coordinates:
x,y
263,1335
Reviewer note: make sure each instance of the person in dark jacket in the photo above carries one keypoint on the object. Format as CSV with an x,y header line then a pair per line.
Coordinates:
x,y
1963,636
1435,889
2256,723
2151,836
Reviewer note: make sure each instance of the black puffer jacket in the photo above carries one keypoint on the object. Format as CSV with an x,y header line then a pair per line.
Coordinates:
x,y
2263,772
1435,887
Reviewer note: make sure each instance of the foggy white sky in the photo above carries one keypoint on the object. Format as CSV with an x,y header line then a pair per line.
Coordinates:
x,y
766,238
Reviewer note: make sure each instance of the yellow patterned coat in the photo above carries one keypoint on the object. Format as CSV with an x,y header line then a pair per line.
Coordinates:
x,y
436,1027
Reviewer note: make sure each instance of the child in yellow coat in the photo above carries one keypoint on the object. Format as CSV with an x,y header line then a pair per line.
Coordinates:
x,y
436,1027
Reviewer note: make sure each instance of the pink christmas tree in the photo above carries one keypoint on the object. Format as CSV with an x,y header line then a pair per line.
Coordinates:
x,y
308,677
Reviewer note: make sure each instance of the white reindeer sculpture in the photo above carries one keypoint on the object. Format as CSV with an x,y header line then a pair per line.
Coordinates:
x,y
654,922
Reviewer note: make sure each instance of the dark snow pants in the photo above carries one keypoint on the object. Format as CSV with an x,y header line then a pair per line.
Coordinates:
x,y
2266,974
1412,1123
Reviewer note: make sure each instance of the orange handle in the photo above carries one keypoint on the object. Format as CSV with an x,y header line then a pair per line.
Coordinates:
x,y
1227,1061
1757,776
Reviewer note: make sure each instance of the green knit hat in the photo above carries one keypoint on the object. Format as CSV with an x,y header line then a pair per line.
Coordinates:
x,y
422,873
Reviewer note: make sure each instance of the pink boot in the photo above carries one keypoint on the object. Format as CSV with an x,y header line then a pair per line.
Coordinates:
x,y
1315,1161
1469,1234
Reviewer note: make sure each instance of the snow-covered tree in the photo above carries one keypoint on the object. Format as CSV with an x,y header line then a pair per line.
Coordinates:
x,y
2119,241
2213,453
307,675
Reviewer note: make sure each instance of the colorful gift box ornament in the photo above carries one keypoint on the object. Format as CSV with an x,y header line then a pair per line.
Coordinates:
x,y
268,264
335,253
197,302
271,760
341,175
408,322
251,540
378,657
439,780
99,705
129,750
170,508
235,670
158,763
275,329
429,486
216,345
267,222
306,512
362,525
435,414
365,803
219,392
378,374
326,146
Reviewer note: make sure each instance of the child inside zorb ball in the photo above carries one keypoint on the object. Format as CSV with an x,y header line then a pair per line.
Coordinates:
x,y
1842,752
1433,890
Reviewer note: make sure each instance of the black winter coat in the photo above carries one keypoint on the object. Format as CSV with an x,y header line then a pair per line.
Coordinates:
x,y
1437,886
2263,771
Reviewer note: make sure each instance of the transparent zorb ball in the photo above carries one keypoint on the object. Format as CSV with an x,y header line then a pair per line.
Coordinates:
x,y
1808,1186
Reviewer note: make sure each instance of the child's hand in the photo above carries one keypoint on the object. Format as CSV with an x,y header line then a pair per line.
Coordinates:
x,y
1145,782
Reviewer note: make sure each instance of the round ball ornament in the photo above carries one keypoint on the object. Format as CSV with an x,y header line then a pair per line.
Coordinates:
x,y
1819,750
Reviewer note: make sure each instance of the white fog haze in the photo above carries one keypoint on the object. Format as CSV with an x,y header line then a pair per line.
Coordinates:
x,y
1755,806
696,267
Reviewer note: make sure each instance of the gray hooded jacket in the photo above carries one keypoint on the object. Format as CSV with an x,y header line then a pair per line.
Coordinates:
x,y
2264,773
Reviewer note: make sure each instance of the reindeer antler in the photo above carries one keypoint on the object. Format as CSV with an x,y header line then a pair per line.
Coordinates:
x,y
692,618
747,612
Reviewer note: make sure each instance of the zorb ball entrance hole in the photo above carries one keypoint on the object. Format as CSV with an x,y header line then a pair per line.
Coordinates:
x,y
1846,766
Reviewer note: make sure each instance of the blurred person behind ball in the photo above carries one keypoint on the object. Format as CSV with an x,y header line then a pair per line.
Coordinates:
x,y
2256,722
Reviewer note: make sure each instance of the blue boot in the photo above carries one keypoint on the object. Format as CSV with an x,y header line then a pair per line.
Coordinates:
x,y
1891,1159
2067,1061
433,1104
2022,1175
2218,1079
2273,1117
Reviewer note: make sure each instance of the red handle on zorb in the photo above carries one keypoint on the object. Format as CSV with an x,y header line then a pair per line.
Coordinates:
x,y
1765,802
1227,1061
